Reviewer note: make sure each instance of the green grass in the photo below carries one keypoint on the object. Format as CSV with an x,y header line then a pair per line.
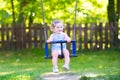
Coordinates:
x,y
30,63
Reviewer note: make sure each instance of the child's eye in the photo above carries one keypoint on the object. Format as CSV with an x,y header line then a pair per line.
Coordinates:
x,y
59,27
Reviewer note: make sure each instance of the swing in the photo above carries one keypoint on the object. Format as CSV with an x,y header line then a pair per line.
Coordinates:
x,y
73,42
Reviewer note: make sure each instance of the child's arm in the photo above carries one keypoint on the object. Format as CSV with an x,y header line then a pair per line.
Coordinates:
x,y
50,39
67,38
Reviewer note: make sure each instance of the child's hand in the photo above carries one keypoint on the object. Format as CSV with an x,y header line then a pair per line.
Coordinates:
x,y
69,40
48,41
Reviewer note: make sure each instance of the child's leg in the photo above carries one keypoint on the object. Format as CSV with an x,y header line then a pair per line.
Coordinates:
x,y
66,56
54,58
54,61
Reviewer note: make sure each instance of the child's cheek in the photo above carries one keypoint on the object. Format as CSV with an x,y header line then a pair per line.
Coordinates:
x,y
56,30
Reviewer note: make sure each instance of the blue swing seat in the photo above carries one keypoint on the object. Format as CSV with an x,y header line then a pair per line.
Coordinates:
x,y
60,56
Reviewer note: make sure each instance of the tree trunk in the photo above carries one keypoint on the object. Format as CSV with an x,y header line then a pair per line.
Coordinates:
x,y
20,24
112,17
118,10
13,13
111,11
22,17
31,18
118,18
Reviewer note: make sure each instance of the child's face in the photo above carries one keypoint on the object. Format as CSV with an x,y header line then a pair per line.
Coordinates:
x,y
58,28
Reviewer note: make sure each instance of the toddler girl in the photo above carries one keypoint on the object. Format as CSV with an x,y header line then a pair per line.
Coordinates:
x,y
57,28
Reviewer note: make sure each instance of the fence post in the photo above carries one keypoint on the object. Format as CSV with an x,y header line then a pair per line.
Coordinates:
x,y
86,37
100,36
2,36
96,34
41,36
106,35
91,36
7,38
79,28
35,36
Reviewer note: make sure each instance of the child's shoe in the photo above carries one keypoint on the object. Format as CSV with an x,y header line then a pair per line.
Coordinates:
x,y
66,67
55,69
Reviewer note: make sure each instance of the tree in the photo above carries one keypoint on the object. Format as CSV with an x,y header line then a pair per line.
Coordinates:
x,y
13,13
111,11
118,10
88,11
113,17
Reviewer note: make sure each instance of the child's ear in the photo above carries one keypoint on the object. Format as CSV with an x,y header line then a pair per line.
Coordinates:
x,y
51,28
64,26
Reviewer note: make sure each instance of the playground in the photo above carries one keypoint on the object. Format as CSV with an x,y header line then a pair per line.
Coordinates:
x,y
90,31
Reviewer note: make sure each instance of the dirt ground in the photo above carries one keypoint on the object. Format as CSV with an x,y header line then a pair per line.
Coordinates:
x,y
69,76
60,76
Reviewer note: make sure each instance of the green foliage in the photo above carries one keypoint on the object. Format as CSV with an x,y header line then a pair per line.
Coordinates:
x,y
87,11
5,17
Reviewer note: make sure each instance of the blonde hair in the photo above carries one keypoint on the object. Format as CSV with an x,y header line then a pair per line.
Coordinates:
x,y
56,23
